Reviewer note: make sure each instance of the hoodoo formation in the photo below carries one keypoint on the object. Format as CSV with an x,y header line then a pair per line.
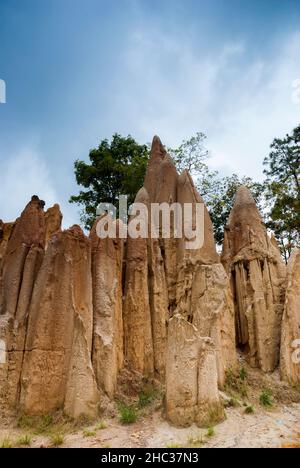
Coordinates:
x,y
77,310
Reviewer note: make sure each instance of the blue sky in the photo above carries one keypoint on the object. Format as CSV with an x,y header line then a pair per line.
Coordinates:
x,y
77,71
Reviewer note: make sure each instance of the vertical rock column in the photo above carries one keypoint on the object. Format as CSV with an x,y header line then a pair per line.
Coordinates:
x,y
108,353
290,342
57,370
136,312
203,291
191,376
20,265
258,282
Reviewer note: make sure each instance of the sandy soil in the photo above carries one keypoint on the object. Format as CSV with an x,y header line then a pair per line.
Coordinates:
x,y
277,426
265,429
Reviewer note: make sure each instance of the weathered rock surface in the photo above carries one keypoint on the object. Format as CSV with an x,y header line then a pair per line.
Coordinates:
x,y
53,219
76,311
20,265
203,291
191,375
57,370
258,282
136,313
290,341
108,352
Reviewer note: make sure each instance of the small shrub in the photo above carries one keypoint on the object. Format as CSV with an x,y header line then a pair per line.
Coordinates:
x,y
89,433
249,409
232,403
57,439
128,414
243,374
25,422
210,432
265,399
24,441
195,439
215,414
237,382
147,396
173,445
100,426
44,423
6,443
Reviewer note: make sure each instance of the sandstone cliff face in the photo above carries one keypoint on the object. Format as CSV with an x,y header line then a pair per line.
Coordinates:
x,y
258,282
108,353
57,370
136,314
19,268
53,219
191,375
290,342
74,311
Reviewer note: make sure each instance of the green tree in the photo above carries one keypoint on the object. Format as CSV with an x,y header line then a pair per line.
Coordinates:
x,y
282,168
116,168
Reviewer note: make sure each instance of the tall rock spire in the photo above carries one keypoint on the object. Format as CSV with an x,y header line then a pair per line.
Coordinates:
x,y
258,279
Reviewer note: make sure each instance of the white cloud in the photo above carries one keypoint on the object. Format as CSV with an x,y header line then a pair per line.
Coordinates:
x,y
240,99
21,176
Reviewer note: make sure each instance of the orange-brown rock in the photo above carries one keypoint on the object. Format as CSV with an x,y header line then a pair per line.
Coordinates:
x,y
19,269
136,310
203,291
191,375
57,370
53,219
258,279
108,352
5,233
290,339
161,185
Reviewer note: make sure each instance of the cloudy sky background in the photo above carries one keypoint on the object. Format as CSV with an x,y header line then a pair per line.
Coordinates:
x,y
78,71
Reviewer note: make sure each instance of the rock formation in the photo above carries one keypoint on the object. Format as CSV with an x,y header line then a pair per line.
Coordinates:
x,y
57,370
78,311
108,355
20,265
192,394
290,341
257,275
137,316
53,219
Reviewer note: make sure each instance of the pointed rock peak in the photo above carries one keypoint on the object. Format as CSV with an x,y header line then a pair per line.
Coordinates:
x,y
142,196
244,197
186,183
36,201
158,150
76,231
53,219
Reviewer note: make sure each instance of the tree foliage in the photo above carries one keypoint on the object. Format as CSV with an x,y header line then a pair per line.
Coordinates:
x,y
116,168
282,168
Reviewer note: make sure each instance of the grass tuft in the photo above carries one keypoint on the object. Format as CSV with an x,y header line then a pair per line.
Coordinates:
x,y
127,413
210,432
57,439
249,409
6,443
24,441
266,399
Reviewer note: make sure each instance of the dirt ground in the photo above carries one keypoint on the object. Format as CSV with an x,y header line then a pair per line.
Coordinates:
x,y
249,423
